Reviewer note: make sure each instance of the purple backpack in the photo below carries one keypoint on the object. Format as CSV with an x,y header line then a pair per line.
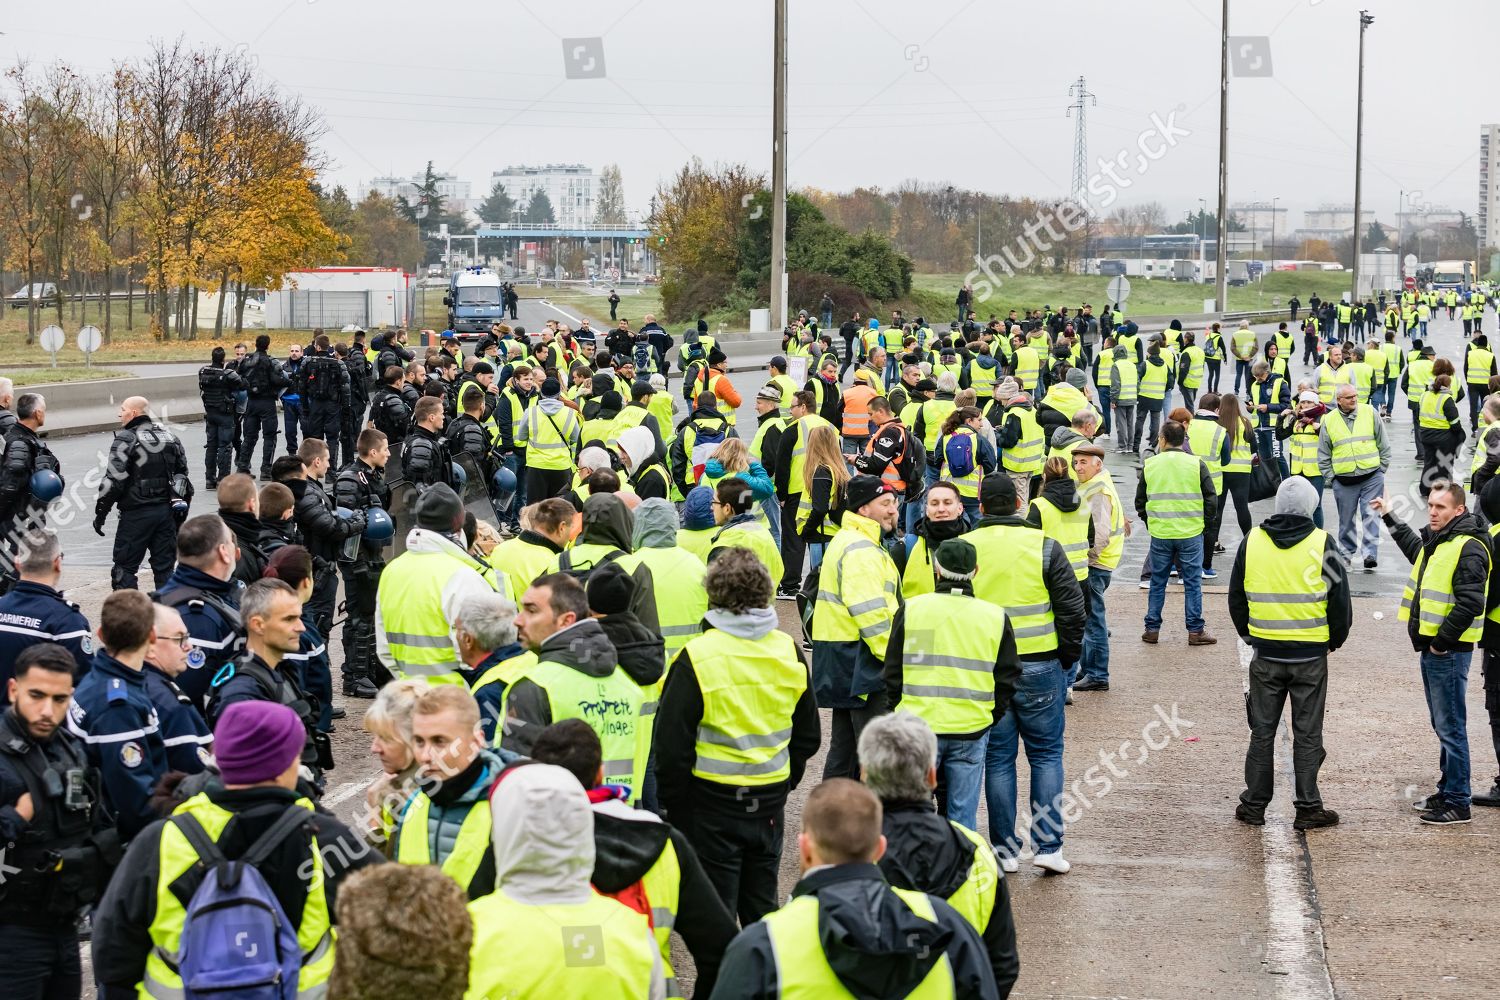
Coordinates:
x,y
237,943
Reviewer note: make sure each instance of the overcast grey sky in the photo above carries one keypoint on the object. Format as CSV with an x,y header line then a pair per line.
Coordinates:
x,y
967,92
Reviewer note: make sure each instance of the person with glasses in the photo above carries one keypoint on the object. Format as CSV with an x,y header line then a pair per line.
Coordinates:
x,y
188,740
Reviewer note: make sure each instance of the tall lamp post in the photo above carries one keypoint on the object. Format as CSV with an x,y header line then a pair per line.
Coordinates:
x,y
1221,276
1365,20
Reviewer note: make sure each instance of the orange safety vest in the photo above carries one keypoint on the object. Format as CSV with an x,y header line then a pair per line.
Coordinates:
x,y
889,475
857,410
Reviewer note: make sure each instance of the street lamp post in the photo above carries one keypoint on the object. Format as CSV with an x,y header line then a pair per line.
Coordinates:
x,y
1365,20
1221,277
1202,222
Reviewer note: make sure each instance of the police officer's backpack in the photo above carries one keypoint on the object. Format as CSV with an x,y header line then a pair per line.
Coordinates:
x,y
237,941
322,380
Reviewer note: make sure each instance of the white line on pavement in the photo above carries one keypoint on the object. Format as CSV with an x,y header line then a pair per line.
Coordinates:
x,y
346,791
567,315
1294,937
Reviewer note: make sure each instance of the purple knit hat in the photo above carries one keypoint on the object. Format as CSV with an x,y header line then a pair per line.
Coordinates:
x,y
255,741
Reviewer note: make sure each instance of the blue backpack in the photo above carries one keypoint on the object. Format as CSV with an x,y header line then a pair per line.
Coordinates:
x,y
958,450
237,943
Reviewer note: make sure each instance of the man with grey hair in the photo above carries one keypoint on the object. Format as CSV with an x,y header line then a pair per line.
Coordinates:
x,y
7,400
36,611
484,630
25,455
1353,454
923,851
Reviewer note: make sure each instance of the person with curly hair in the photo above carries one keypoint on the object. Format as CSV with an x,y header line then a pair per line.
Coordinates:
x,y
404,932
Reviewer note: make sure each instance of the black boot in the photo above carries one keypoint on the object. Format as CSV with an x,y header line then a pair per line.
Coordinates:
x,y
359,686
1489,798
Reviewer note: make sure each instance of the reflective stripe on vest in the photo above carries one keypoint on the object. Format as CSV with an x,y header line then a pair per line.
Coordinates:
x,y
750,688
1070,529
1433,577
1154,381
856,420
1285,602
1126,382
1430,411
934,413
1240,456
948,661
1026,456
1109,557
1329,378
803,426
1302,455
802,969
550,437
1206,437
662,884
1353,448
414,842
975,898
416,630
1489,437
1194,374
1028,367
611,705
1012,575
1174,498
176,857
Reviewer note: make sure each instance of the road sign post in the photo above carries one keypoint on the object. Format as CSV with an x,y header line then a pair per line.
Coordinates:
x,y
51,340
89,340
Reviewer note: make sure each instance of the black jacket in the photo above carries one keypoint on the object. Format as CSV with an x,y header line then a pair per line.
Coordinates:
x,y
361,487
123,920
584,647
25,453
1287,530
246,528
874,943
675,739
627,842
323,529
325,379
1007,663
1062,494
425,459
390,414
467,435
263,376
924,851
217,385
639,650
1469,578
1063,591
143,458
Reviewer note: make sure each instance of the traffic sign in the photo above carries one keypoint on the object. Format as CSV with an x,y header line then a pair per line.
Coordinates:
x,y
1119,288
1411,283
1410,260
89,339
51,339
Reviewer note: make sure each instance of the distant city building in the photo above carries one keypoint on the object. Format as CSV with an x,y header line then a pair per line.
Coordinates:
x,y
1488,223
1331,222
455,193
1261,219
570,187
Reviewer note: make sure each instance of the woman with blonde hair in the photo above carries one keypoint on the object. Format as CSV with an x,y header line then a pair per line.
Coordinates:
x,y
388,721
732,458
824,476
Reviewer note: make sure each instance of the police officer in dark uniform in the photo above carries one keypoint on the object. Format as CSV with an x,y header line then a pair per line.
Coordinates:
x,y
416,381
273,628
146,472
293,399
361,375
25,453
323,531
218,385
36,611
467,433
205,593
59,848
389,412
361,486
425,458
184,731
264,380
114,715
328,396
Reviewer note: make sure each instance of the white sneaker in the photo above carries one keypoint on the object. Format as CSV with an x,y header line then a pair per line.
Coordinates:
x,y
1068,698
1145,584
1010,865
1053,862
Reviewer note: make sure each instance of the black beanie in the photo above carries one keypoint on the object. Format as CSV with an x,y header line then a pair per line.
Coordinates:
x,y
609,589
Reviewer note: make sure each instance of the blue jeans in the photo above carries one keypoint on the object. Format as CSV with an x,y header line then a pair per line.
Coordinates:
x,y
1035,718
815,554
1105,407
1189,555
827,319
1354,500
960,774
1242,369
516,463
772,511
291,417
1093,663
1445,678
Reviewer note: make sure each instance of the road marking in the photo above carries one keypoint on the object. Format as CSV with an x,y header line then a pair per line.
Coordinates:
x,y
566,315
1294,936
346,791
